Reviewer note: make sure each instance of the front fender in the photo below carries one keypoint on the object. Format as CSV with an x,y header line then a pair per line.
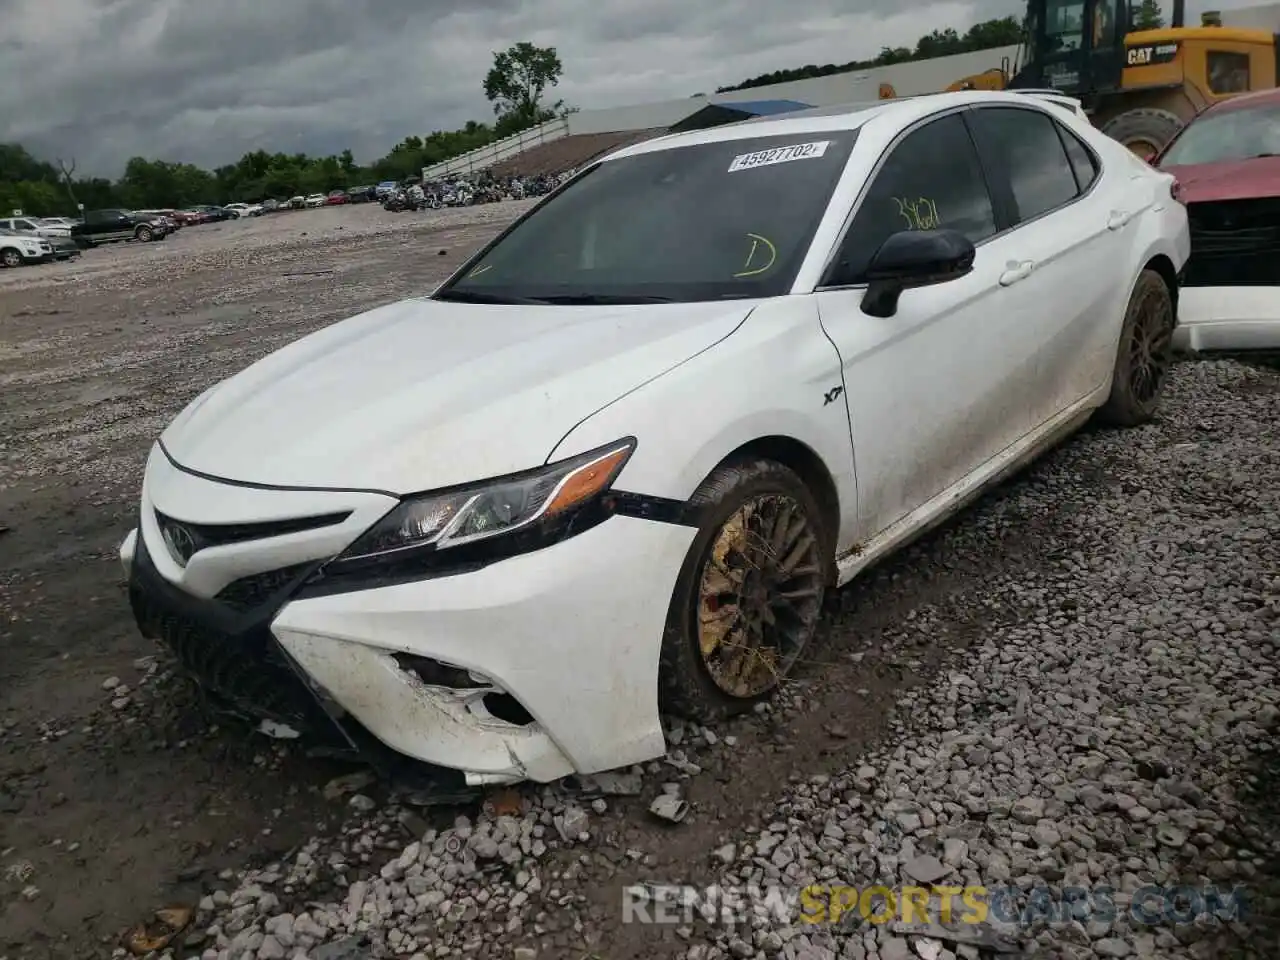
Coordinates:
x,y
771,378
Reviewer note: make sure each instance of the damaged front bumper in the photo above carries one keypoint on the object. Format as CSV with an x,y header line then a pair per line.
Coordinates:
x,y
534,667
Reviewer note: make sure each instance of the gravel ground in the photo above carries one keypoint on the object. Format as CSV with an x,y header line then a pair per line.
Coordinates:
x,y
1069,690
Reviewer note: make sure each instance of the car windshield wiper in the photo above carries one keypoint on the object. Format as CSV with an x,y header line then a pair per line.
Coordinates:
x,y
603,299
479,296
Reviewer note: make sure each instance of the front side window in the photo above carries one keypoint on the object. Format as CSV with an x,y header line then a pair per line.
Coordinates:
x,y
710,221
931,181
1025,144
1228,72
1227,133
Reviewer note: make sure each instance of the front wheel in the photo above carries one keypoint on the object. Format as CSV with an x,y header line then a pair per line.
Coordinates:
x,y
749,594
1143,354
144,234
9,257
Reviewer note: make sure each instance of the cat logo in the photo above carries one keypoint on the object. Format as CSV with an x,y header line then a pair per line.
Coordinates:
x,y
1150,54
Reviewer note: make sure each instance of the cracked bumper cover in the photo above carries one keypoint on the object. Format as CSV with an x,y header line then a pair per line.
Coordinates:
x,y
572,632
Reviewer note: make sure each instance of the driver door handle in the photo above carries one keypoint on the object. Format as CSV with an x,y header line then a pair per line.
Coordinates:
x,y
1016,271
1118,219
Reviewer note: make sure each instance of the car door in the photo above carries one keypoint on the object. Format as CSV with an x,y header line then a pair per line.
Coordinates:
x,y
101,225
1073,230
936,390
92,224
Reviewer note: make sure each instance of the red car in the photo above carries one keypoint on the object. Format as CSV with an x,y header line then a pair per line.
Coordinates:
x,y
336,197
1227,162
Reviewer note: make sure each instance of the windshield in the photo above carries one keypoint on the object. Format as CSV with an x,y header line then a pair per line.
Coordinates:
x,y
1238,134
704,222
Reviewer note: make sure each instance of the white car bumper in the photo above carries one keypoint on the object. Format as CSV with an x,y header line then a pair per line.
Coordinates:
x,y
1228,319
571,633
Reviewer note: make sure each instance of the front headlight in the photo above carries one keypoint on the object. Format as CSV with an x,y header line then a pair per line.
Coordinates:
x,y
466,527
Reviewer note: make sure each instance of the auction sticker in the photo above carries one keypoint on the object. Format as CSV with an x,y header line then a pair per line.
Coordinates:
x,y
765,158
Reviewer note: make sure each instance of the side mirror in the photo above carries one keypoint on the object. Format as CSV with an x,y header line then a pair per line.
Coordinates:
x,y
914,258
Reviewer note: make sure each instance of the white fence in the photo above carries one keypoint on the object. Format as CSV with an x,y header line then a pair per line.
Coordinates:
x,y
491,153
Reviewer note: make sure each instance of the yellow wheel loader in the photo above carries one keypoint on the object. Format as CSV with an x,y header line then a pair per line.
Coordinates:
x,y
1138,86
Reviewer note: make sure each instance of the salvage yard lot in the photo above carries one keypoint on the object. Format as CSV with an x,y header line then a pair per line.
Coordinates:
x,y
1098,636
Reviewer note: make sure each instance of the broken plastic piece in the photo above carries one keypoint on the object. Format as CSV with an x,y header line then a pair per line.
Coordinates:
x,y
278,731
669,807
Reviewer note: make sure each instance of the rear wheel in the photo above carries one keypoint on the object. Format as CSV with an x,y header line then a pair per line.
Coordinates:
x,y
1144,131
1143,355
749,594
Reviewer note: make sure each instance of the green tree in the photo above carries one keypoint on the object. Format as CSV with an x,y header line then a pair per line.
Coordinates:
x,y
1004,32
1147,15
517,82
1001,32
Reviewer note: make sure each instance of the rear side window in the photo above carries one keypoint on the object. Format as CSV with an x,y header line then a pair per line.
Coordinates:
x,y
931,180
1083,162
1025,146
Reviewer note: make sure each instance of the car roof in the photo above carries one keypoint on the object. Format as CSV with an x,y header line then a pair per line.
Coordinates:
x,y
830,119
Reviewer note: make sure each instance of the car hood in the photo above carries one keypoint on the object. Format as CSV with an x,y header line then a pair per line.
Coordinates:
x,y
425,394
1234,180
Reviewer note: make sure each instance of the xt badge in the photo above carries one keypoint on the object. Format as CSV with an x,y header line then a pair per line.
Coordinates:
x,y
831,395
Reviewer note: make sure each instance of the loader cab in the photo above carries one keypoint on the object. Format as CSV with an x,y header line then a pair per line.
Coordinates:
x,y
1076,46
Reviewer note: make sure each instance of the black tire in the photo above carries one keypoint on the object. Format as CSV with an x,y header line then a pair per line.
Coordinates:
x,y
144,234
687,685
1144,128
1143,354
10,257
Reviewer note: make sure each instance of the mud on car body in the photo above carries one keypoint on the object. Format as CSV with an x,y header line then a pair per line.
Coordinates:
x,y
613,465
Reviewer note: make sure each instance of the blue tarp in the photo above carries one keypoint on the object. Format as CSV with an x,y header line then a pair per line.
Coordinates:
x,y
715,114
764,108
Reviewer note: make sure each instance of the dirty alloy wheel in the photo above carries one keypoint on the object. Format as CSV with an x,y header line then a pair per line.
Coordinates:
x,y
10,257
144,234
749,594
1143,354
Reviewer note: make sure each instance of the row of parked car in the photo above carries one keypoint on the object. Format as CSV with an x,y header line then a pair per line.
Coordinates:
x,y
29,240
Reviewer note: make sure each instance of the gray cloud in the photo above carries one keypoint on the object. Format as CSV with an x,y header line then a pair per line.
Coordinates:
x,y
206,80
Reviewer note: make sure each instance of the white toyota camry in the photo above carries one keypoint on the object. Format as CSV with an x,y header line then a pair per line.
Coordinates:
x,y
612,466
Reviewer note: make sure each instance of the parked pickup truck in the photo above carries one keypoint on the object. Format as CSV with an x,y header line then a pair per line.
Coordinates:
x,y
109,226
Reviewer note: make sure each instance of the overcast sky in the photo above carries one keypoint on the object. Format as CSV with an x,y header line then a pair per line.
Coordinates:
x,y
205,81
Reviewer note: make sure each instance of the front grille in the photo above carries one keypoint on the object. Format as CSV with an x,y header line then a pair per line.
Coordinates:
x,y
247,671
255,590
1234,243
221,534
